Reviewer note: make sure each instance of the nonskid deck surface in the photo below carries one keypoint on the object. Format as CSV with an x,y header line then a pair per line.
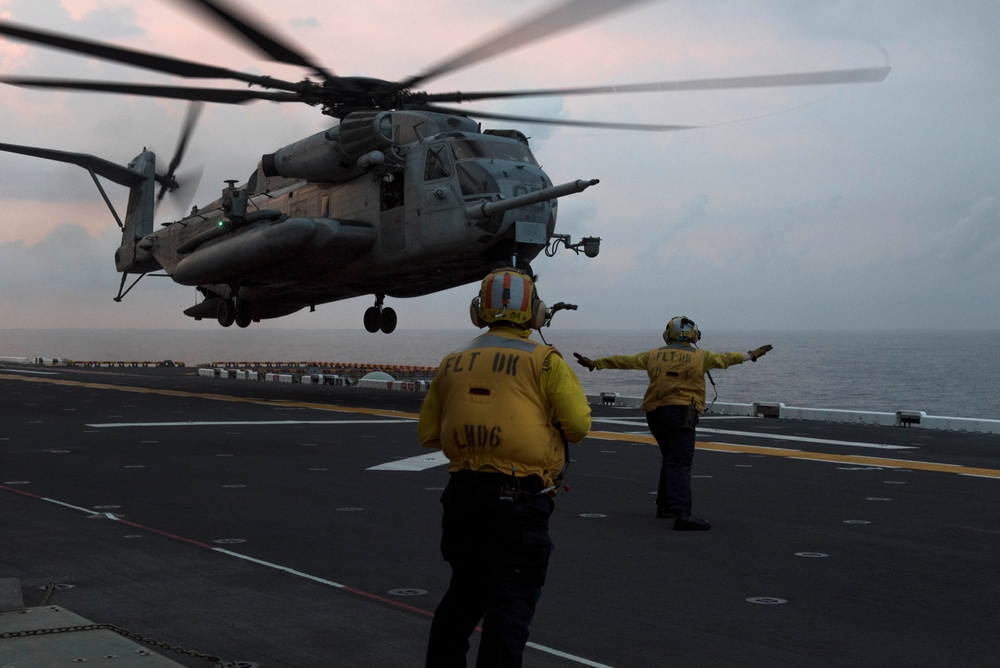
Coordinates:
x,y
291,525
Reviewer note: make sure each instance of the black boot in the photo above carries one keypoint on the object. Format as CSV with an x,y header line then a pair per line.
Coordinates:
x,y
688,522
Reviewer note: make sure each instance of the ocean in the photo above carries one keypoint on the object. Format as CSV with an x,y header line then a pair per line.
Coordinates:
x,y
856,370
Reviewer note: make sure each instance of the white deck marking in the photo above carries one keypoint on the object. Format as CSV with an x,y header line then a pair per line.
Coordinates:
x,y
564,655
286,569
68,505
37,373
806,439
777,437
242,423
419,463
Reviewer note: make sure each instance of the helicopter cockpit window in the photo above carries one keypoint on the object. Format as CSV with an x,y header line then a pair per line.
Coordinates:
x,y
438,164
466,149
475,179
511,151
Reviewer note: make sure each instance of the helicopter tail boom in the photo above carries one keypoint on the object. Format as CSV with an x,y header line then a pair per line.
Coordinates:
x,y
109,170
139,176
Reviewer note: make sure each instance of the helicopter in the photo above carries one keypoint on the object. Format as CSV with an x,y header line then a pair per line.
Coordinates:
x,y
402,197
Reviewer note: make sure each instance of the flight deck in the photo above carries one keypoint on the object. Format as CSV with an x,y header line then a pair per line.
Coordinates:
x,y
222,522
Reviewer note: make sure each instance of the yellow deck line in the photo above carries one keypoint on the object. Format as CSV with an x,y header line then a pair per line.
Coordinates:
x,y
214,397
884,462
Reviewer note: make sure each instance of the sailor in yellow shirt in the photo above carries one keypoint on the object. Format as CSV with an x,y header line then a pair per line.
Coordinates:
x,y
503,409
674,398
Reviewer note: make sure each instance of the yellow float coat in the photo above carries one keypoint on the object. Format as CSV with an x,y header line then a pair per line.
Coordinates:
x,y
503,404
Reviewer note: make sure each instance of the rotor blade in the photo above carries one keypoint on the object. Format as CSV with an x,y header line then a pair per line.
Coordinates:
x,y
825,77
254,32
169,182
557,121
220,95
149,61
190,120
568,15
189,182
100,166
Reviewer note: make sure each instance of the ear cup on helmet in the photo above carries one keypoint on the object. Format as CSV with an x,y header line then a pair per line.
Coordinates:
x,y
474,315
538,309
688,322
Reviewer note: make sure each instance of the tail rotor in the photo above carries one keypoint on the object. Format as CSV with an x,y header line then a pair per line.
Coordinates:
x,y
187,182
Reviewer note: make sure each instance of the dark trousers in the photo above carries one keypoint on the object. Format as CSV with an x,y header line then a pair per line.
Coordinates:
x,y
675,434
498,548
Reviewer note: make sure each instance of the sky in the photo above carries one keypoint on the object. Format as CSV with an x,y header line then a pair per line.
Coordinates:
x,y
870,206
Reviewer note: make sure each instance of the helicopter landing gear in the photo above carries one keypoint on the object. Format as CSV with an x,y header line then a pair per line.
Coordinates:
x,y
378,318
230,311
388,320
244,315
244,311
226,312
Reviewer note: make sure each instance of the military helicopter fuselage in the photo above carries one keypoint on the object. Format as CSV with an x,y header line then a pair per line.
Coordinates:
x,y
392,203
402,198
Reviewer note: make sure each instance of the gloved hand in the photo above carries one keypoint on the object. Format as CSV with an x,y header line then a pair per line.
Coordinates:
x,y
584,361
760,352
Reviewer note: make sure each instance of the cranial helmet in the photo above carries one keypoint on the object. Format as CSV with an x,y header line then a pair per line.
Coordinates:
x,y
682,329
508,295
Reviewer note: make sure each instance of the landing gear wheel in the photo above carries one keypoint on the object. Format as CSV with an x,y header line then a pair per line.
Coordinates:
x,y
244,313
226,313
378,318
388,320
373,319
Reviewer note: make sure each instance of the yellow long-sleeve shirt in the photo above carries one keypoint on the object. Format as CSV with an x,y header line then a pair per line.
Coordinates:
x,y
676,373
